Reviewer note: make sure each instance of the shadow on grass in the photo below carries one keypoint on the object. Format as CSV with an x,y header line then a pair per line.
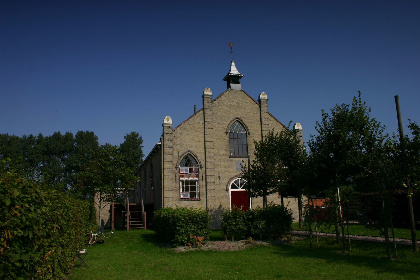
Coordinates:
x,y
370,255
150,236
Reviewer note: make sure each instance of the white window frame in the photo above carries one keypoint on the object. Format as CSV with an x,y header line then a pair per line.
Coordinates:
x,y
187,195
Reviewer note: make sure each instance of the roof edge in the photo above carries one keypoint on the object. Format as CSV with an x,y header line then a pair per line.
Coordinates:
x,y
152,152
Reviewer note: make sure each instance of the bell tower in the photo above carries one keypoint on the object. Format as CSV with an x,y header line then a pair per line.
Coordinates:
x,y
233,77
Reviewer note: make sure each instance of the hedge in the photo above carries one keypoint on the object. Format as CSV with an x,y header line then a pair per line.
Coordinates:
x,y
260,223
40,229
182,226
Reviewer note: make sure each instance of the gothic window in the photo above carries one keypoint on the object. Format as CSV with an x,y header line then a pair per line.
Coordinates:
x,y
188,178
237,140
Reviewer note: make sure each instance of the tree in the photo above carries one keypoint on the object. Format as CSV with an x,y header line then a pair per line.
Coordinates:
x,y
265,174
131,150
378,185
55,152
106,176
413,155
25,153
341,152
293,156
61,161
30,155
85,147
277,167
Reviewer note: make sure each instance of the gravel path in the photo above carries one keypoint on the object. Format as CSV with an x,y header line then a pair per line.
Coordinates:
x,y
400,241
242,244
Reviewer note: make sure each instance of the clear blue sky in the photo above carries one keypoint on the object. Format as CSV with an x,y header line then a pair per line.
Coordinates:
x,y
113,67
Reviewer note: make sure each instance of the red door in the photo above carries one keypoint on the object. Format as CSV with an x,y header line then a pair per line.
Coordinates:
x,y
240,199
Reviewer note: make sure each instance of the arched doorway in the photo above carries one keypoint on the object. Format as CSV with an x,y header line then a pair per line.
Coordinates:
x,y
239,195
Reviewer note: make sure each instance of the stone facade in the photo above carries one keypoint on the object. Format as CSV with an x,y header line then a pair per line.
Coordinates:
x,y
205,136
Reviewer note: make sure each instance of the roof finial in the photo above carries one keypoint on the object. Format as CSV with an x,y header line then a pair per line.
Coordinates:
x,y
231,51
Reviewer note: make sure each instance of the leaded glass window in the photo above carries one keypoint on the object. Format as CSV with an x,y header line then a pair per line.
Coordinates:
x,y
237,140
188,178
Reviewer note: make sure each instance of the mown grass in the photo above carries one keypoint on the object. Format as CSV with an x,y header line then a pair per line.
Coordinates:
x,y
357,229
138,255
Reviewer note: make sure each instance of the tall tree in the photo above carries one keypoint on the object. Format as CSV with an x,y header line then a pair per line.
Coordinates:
x,y
131,150
9,146
293,156
278,164
106,176
413,155
31,149
85,148
63,161
265,173
25,153
346,138
378,184
56,150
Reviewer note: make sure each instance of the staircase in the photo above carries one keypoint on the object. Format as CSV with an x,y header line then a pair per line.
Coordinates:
x,y
135,217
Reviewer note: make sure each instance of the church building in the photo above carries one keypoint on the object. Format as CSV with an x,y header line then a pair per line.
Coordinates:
x,y
198,163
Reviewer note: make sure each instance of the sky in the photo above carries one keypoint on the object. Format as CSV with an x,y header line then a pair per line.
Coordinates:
x,y
113,67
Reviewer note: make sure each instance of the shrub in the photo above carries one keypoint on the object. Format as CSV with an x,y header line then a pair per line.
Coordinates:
x,y
256,224
278,220
181,226
40,229
271,222
234,223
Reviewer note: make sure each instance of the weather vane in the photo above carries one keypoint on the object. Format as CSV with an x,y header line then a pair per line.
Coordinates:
x,y
231,46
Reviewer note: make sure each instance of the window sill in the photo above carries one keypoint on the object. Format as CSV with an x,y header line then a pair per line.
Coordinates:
x,y
189,199
238,156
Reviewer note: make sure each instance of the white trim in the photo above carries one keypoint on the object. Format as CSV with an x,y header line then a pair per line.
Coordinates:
x,y
186,195
188,178
184,170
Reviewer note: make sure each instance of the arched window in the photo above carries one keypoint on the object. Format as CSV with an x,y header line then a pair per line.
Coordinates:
x,y
238,184
188,178
237,140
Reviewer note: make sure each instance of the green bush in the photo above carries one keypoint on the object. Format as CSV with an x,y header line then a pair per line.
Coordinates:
x,y
40,229
234,223
255,223
271,222
278,220
181,226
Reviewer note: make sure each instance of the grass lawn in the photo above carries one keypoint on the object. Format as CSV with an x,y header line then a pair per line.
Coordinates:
x,y
136,254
